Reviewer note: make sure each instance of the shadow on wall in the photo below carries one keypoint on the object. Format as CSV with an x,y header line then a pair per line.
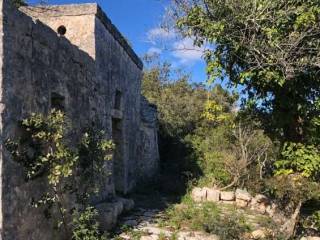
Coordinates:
x,y
40,70
177,169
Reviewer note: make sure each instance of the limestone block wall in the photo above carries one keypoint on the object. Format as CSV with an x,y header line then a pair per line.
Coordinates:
x,y
118,71
124,79
93,74
148,165
38,66
242,199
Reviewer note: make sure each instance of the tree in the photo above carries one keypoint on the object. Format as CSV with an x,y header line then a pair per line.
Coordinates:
x,y
270,47
180,103
186,112
19,3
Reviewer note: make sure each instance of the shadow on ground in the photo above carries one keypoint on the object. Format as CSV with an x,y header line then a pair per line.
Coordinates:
x,y
177,169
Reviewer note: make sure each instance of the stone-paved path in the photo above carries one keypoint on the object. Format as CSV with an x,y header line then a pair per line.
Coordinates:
x,y
142,222
143,225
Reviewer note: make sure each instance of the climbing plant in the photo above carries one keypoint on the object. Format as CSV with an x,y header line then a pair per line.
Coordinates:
x,y
44,152
94,152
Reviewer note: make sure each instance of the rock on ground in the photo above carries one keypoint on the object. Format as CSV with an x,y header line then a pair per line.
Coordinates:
x,y
227,196
213,195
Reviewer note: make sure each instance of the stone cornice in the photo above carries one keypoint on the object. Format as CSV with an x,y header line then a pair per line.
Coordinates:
x,y
83,9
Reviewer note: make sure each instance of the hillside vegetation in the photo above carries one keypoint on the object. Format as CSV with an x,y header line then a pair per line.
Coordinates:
x,y
210,136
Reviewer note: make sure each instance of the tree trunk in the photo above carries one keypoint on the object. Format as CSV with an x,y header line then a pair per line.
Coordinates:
x,y
289,226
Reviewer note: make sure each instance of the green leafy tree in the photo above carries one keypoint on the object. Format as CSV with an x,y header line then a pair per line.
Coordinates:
x,y
19,3
180,105
299,158
95,153
42,151
198,134
270,47
179,102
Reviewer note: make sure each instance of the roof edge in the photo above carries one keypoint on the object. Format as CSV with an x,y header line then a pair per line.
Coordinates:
x,y
118,36
84,9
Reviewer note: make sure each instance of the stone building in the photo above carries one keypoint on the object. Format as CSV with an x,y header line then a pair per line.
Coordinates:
x,y
70,57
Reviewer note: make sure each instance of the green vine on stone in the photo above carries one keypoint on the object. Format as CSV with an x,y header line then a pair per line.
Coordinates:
x,y
44,152
42,149
94,153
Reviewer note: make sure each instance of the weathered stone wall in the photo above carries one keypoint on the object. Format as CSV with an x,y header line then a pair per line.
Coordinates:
x,y
37,65
123,75
148,165
117,69
96,77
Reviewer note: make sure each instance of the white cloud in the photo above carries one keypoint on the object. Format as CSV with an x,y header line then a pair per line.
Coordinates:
x,y
157,34
186,52
154,50
182,49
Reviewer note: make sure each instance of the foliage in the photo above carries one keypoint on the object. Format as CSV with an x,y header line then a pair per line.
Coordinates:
x,y
202,132
179,103
210,152
312,221
290,190
43,151
19,3
214,113
85,226
234,155
205,217
269,47
94,153
299,158
296,174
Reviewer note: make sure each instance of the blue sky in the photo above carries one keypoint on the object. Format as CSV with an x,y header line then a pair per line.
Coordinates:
x,y
139,21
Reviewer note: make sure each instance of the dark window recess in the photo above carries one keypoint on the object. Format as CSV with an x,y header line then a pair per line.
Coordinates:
x,y
57,101
62,30
117,100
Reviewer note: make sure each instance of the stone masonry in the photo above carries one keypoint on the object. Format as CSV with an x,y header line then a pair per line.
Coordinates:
x,y
70,57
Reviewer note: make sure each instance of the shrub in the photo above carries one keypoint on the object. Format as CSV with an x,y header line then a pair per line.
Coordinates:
x,y
299,158
95,151
85,225
231,154
313,221
42,149
206,217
